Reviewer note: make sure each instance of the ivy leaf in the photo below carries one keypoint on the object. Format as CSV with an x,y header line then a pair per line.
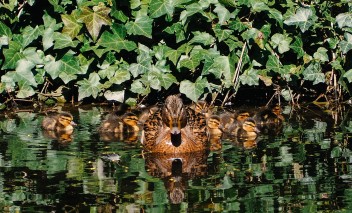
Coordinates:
x,y
139,88
250,77
62,41
282,42
95,19
120,76
116,40
346,45
159,8
222,34
25,91
166,80
29,34
141,26
297,47
52,67
48,34
23,73
5,30
69,68
223,14
115,95
177,30
190,63
193,90
276,15
302,19
202,38
321,54
273,64
313,73
174,55
344,20
12,55
348,75
71,24
89,87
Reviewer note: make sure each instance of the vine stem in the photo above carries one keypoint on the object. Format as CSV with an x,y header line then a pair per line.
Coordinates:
x,y
236,76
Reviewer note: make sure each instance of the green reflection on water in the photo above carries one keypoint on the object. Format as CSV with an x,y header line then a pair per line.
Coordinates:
x,y
305,167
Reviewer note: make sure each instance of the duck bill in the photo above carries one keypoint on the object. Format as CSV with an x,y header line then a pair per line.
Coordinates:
x,y
73,123
175,126
257,130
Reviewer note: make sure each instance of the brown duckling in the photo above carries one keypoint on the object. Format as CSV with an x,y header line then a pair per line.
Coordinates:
x,y
269,115
59,122
201,107
227,119
175,129
127,123
146,113
246,129
215,132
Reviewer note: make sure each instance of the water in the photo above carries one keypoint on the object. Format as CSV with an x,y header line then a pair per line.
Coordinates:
x,y
303,167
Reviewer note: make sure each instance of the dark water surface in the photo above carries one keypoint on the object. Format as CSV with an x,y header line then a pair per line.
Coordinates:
x,y
303,167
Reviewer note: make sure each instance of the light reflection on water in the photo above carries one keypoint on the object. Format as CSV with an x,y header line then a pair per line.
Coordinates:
x,y
303,167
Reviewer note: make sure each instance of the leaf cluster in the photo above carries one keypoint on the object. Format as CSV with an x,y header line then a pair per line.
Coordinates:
x,y
126,50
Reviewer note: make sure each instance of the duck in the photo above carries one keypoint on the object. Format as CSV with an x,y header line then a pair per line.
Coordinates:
x,y
270,115
245,130
174,128
59,122
146,113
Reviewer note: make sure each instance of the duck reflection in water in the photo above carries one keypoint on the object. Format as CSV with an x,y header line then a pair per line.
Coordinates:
x,y
175,170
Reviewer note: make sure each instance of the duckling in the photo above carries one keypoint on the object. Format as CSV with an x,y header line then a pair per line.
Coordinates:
x,y
60,122
247,129
113,123
227,119
201,107
146,113
269,115
175,129
215,132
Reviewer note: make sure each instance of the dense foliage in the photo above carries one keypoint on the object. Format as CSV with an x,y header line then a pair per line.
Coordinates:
x,y
127,50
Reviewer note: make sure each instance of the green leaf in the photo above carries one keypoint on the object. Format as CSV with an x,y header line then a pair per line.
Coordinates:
x,y
190,63
120,76
5,30
116,40
250,77
139,88
193,90
273,64
282,42
89,87
159,8
166,80
314,73
177,30
276,15
52,67
25,91
69,68
29,34
223,14
95,19
348,75
62,41
321,54
222,34
346,45
71,24
202,38
344,20
302,19
141,26
12,55
115,95
297,47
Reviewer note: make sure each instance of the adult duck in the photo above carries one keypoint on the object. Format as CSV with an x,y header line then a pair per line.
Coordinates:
x,y
175,129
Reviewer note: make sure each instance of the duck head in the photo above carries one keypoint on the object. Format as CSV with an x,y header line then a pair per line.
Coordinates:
x,y
66,119
174,114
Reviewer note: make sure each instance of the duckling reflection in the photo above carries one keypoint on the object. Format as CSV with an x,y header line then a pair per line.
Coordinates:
x,y
227,119
175,170
244,133
120,128
214,132
59,126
